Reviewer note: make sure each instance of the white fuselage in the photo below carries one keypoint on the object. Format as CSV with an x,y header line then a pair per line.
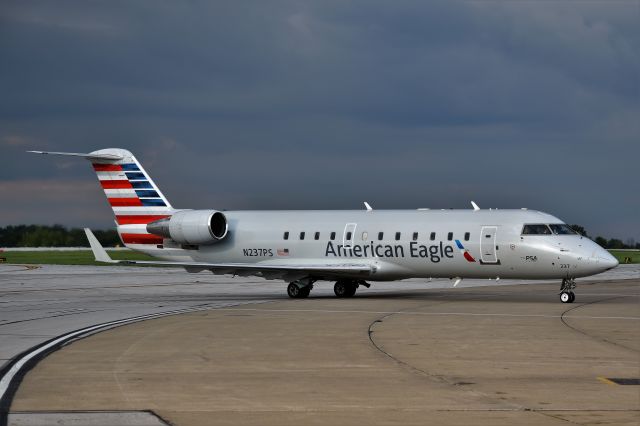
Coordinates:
x,y
347,246
402,244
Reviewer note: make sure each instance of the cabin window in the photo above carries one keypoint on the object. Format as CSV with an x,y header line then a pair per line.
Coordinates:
x,y
286,235
433,236
380,236
302,235
348,236
333,236
317,236
397,236
450,236
536,229
415,236
467,235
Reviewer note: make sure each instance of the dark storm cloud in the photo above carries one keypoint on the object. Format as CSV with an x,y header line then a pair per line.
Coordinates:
x,y
294,104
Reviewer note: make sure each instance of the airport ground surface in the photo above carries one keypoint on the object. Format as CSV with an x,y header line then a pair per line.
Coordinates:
x,y
404,353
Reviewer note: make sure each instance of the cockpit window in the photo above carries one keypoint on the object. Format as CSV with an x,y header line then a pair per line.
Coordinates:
x,y
562,229
536,229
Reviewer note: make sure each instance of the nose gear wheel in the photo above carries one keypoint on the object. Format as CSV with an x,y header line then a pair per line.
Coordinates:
x,y
566,295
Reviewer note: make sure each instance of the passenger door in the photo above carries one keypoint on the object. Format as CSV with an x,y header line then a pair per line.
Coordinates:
x,y
488,252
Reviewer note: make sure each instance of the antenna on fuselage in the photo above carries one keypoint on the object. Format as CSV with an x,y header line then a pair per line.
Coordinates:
x,y
475,206
367,206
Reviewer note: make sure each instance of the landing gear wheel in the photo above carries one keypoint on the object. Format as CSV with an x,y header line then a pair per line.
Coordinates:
x,y
296,292
293,291
304,291
345,288
352,290
567,297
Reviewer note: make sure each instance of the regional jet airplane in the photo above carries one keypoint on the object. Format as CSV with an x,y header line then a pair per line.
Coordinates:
x,y
351,248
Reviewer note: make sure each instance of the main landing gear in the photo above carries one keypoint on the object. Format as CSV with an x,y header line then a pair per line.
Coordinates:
x,y
566,295
300,289
347,288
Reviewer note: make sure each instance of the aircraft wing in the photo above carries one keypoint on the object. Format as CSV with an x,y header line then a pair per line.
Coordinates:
x,y
267,270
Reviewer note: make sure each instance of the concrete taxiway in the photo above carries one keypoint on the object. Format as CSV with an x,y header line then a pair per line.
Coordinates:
x,y
406,353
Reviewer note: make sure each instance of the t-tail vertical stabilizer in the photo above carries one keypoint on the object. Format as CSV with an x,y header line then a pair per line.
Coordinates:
x,y
134,197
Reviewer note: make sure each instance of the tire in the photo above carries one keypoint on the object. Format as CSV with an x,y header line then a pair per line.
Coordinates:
x,y
565,297
340,288
293,291
352,290
572,297
304,292
344,288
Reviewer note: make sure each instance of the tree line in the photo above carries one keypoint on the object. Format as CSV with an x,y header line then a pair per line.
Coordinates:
x,y
60,236
53,236
611,244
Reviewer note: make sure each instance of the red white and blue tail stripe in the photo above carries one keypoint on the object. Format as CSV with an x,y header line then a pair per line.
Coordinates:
x,y
133,196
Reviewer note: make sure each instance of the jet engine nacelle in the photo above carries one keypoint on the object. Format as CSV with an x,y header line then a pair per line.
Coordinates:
x,y
192,227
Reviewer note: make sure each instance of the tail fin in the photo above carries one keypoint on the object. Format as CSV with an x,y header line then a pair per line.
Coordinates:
x,y
132,194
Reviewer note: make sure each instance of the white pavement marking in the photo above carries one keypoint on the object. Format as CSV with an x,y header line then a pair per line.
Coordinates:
x,y
6,380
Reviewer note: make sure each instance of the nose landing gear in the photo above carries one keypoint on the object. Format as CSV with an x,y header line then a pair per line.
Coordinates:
x,y
566,295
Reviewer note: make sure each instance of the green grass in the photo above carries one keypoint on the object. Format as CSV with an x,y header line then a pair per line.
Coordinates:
x,y
76,257
621,254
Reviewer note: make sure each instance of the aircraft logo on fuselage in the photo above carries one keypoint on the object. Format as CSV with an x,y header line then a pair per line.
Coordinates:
x,y
433,253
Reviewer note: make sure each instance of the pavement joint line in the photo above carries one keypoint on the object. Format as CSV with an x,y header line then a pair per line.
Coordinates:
x,y
609,294
27,335
419,410
151,413
337,311
538,409
51,316
33,290
586,333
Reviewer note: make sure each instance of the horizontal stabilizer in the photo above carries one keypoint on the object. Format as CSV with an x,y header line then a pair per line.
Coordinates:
x,y
92,156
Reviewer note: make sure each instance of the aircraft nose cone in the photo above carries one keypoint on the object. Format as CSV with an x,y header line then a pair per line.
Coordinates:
x,y
607,260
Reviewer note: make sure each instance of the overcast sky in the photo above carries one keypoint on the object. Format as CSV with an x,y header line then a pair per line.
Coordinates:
x,y
325,104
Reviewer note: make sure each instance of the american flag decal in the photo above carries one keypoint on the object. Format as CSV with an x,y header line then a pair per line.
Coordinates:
x,y
283,252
